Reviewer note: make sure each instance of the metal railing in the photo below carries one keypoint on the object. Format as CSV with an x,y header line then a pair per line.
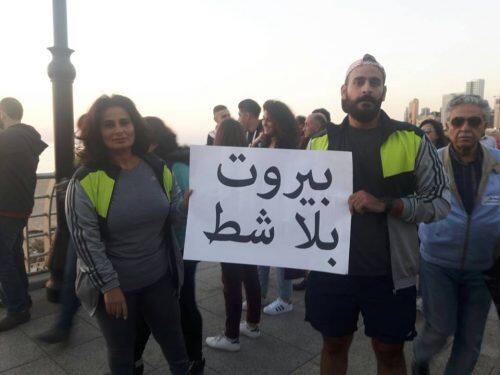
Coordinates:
x,y
40,228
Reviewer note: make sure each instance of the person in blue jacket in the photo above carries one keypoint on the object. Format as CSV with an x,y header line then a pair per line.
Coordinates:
x,y
457,250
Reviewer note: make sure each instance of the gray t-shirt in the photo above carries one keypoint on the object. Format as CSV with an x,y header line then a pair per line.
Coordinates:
x,y
136,218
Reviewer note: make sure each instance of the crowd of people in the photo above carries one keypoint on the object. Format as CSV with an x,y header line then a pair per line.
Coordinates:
x,y
425,215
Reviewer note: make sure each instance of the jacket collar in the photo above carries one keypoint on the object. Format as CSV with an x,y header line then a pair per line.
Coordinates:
x,y
386,124
488,165
152,160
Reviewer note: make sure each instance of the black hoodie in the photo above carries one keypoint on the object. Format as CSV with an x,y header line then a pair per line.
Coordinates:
x,y
20,148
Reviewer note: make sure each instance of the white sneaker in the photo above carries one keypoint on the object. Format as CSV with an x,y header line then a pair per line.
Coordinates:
x,y
221,342
252,333
278,307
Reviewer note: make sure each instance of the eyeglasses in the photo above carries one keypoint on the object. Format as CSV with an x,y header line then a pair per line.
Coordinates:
x,y
473,122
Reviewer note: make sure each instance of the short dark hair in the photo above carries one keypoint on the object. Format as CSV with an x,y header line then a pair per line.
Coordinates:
x,y
12,108
301,120
218,108
95,153
287,130
250,106
230,133
324,112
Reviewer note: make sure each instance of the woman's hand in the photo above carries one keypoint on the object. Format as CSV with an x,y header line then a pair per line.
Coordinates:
x,y
260,139
115,302
187,195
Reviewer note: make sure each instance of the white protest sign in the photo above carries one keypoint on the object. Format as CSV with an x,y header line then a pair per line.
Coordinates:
x,y
285,208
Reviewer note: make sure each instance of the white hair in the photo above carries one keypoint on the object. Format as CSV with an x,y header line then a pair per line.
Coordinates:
x,y
472,100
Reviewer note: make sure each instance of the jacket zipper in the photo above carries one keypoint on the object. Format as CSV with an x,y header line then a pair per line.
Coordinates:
x,y
466,242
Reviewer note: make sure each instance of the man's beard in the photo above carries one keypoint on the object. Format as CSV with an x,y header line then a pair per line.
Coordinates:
x,y
362,115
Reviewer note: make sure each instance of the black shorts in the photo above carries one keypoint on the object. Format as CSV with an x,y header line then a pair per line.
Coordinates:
x,y
333,304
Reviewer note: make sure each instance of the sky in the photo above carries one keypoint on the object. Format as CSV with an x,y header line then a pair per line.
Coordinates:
x,y
177,60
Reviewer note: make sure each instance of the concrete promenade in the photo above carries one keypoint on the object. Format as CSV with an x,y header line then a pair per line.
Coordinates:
x,y
288,345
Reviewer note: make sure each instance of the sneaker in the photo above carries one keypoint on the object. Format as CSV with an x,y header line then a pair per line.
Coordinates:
x,y
278,307
252,333
54,336
221,342
13,320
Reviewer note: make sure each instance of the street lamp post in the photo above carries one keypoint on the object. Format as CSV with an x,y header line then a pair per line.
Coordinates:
x,y
62,74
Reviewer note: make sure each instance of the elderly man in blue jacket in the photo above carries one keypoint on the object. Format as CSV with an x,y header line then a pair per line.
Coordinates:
x,y
455,251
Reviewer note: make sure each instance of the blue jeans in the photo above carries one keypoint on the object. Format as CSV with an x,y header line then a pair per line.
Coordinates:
x,y
284,286
13,278
69,301
455,303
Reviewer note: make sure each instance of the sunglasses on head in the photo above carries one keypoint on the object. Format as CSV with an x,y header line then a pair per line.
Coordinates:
x,y
473,122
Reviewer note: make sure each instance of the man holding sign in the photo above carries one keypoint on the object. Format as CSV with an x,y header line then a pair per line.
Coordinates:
x,y
398,181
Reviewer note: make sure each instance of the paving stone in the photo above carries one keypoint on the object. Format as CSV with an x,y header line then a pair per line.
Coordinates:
x,y
84,315
38,294
17,349
266,355
288,344
82,332
361,356
88,358
214,304
44,366
307,369
206,265
293,329
164,370
205,292
298,297
209,278
42,307
491,339
153,354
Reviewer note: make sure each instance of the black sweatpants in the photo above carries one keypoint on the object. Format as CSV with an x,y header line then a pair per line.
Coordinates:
x,y
159,307
192,325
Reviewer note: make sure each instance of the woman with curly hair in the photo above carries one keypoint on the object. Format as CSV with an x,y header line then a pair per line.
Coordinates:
x,y
120,206
280,131
280,127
